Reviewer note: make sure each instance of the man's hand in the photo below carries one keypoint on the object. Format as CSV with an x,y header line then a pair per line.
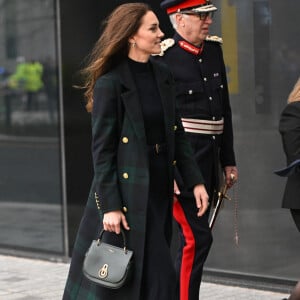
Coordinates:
x,y
231,175
112,221
201,197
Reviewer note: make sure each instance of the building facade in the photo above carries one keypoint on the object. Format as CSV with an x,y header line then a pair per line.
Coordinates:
x,y
45,138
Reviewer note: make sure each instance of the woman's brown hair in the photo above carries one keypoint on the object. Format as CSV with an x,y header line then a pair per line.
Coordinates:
x,y
112,47
295,93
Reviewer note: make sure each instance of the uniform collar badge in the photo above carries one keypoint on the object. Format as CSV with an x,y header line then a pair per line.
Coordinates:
x,y
190,48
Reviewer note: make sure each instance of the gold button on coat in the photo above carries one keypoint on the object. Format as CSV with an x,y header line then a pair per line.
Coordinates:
x,y
175,127
125,140
125,209
125,175
174,162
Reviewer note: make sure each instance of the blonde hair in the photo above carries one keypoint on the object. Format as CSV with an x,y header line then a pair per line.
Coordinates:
x,y
112,47
295,93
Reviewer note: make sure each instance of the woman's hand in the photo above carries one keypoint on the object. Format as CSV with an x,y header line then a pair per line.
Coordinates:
x,y
176,192
176,188
201,197
112,221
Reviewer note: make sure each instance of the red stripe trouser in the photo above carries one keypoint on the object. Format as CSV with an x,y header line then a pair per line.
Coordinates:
x,y
195,242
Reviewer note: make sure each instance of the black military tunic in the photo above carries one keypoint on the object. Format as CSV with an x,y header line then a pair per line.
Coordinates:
x,y
202,95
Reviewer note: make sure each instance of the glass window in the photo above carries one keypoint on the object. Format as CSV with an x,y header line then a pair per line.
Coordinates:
x,y
30,173
261,51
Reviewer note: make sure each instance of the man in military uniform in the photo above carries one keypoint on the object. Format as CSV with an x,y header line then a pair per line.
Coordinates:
x,y
196,61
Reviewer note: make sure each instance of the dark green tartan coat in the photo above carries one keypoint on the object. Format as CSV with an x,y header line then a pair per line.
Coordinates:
x,y
121,173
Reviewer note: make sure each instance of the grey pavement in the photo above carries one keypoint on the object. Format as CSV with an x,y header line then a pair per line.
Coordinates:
x,y
34,279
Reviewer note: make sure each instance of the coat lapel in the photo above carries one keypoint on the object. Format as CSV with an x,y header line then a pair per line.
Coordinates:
x,y
131,101
165,90
132,104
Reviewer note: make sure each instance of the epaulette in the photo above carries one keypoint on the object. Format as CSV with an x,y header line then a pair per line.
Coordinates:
x,y
165,45
214,38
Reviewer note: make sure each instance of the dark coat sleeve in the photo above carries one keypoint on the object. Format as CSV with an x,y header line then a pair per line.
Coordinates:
x,y
184,155
289,128
105,136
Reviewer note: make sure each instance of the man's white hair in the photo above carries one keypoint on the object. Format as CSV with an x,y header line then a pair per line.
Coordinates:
x,y
172,18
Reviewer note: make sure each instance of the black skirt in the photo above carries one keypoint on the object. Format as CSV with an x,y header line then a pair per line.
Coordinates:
x,y
159,280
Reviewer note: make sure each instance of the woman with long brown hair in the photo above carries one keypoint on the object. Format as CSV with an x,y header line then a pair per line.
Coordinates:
x,y
137,138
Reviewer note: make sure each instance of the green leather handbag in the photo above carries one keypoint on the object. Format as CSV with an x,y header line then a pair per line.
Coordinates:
x,y
108,265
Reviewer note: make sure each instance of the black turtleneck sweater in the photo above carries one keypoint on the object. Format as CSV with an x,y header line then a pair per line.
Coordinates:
x,y
150,100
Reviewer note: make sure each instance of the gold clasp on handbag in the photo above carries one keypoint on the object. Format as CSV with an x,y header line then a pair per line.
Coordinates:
x,y
103,271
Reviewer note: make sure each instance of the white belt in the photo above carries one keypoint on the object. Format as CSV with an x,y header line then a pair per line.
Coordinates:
x,y
203,126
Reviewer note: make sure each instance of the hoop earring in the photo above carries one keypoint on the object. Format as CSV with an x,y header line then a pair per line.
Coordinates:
x,y
133,44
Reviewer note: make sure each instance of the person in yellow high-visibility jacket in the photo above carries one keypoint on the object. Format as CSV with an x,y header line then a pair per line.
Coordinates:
x,y
34,72
28,78
17,80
